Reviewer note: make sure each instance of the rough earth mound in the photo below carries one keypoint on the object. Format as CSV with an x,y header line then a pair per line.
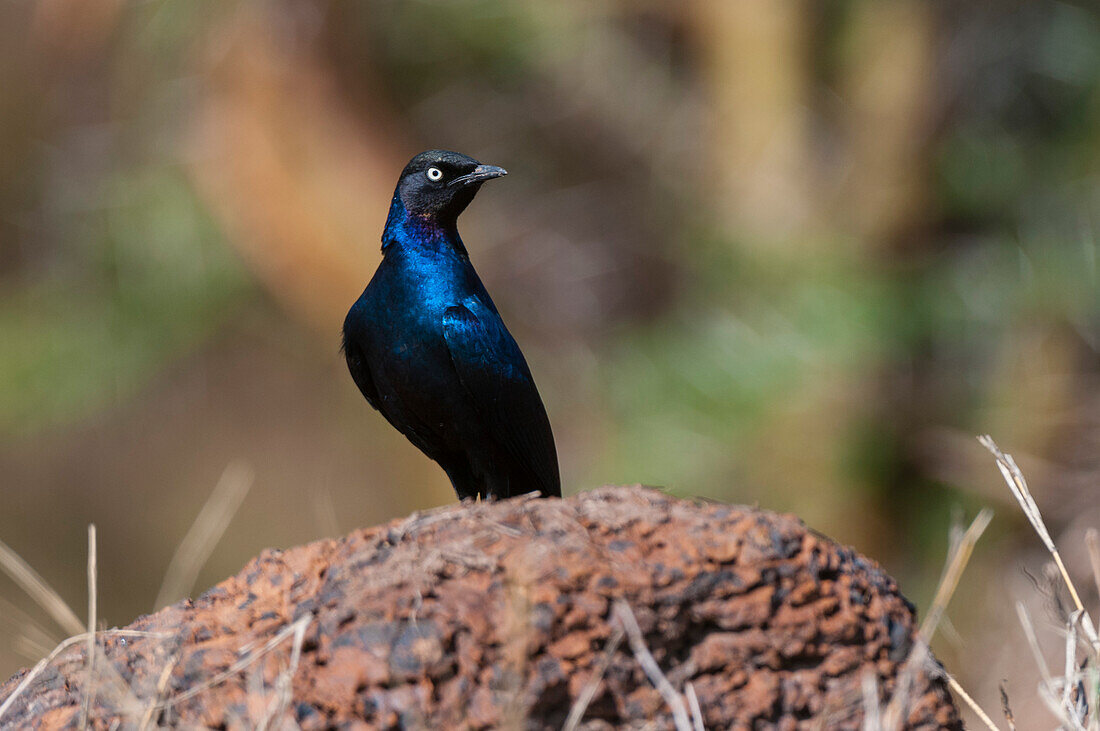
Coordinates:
x,y
504,614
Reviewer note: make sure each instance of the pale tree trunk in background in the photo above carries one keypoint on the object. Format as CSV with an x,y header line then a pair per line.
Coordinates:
x,y
771,189
758,161
888,65
759,170
764,173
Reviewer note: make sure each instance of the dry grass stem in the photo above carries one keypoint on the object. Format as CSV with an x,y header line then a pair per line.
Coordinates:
x,y
1067,696
957,560
65,645
1014,478
629,623
1069,668
978,711
283,683
29,648
34,673
41,592
872,709
576,713
1047,689
893,717
89,682
1032,640
962,547
693,704
205,532
289,631
162,685
27,634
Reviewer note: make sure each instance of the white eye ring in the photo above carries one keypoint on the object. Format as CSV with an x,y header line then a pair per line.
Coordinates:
x,y
435,174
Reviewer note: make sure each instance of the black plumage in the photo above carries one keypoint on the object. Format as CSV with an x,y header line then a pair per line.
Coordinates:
x,y
428,349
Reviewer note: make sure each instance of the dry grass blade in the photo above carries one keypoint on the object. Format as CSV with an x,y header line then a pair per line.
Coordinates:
x,y
288,631
1014,478
953,571
576,713
34,673
962,547
973,704
893,717
1066,696
1069,668
652,670
1046,687
205,532
283,682
29,648
696,709
65,645
89,682
872,710
1033,641
29,580
162,684
25,628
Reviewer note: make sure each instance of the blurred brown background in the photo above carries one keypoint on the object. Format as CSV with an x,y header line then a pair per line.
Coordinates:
x,y
793,253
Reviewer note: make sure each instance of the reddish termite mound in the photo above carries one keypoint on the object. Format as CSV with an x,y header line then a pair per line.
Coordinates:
x,y
505,614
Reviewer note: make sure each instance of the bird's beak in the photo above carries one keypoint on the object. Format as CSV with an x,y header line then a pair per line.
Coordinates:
x,y
479,175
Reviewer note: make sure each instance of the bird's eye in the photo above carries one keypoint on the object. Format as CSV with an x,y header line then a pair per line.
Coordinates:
x,y
435,174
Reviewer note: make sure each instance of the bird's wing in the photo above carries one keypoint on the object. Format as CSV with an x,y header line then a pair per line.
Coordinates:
x,y
360,372
402,419
492,369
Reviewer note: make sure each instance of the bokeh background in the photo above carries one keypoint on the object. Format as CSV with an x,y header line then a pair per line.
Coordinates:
x,y
782,252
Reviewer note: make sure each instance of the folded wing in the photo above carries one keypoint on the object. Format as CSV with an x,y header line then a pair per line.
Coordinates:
x,y
493,371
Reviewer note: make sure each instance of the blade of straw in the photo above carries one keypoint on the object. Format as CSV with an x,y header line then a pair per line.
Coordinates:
x,y
42,593
629,623
953,572
89,682
195,548
973,704
958,557
1046,687
66,644
1014,478
576,713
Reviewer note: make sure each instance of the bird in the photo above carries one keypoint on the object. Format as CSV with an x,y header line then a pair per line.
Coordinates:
x,y
428,349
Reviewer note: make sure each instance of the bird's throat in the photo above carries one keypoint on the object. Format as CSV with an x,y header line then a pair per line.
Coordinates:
x,y
427,232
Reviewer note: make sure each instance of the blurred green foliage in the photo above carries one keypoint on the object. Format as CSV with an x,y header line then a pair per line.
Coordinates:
x,y
152,278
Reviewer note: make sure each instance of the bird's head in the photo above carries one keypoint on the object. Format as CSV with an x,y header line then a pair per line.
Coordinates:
x,y
438,184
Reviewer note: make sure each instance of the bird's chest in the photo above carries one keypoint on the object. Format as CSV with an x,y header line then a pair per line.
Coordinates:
x,y
408,307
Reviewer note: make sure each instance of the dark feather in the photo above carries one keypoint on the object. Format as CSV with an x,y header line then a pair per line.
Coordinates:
x,y
495,374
